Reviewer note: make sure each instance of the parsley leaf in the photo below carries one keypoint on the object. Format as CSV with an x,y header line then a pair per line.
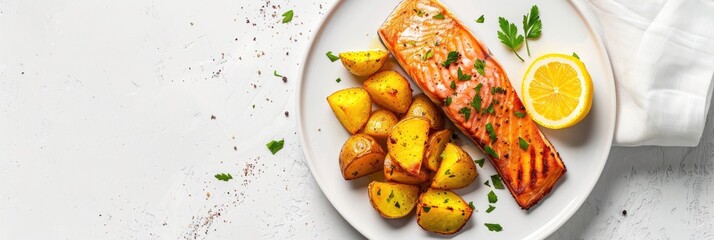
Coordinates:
x,y
487,183
493,227
480,19
436,43
453,85
497,183
439,16
450,58
446,200
495,90
275,73
509,36
448,171
522,143
275,146
576,55
492,198
480,162
338,80
287,16
478,87
480,66
419,12
332,57
476,102
391,195
396,204
489,109
466,112
490,208
490,151
532,26
461,76
379,192
471,205
224,176
427,55
447,102
491,132
426,209
519,114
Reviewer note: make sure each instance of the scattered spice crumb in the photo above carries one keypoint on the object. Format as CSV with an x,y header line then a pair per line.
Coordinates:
x,y
23,73
319,129
287,114
624,212
235,148
213,117
285,79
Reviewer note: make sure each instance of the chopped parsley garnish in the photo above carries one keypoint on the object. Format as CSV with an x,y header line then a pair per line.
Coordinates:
x,y
379,192
436,43
478,87
396,204
466,112
448,171
532,26
471,205
490,208
509,36
453,85
332,57
275,146
413,43
426,209
480,19
493,227
487,183
275,73
391,195
496,180
427,55
495,90
439,16
522,143
287,16
480,66
224,176
419,12
492,198
480,162
489,109
462,76
446,200
491,132
476,102
338,80
576,55
447,102
450,58
490,151
519,114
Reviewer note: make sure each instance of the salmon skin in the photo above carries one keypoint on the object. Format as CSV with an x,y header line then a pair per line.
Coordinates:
x,y
443,57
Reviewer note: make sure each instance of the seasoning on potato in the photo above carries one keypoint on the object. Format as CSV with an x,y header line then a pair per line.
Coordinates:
x,y
352,106
406,143
360,156
389,90
364,63
442,211
434,146
422,106
392,200
457,169
395,173
380,123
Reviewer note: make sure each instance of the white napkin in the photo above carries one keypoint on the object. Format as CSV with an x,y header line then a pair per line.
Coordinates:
x,y
662,54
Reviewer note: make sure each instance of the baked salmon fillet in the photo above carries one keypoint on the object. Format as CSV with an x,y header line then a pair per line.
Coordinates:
x,y
457,72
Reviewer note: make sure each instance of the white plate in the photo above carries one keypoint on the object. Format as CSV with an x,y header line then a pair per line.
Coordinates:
x,y
352,25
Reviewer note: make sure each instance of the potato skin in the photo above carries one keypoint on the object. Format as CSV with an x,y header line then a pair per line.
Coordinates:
x,y
434,146
389,90
442,211
422,106
364,63
392,200
352,107
406,143
395,173
457,169
360,155
380,123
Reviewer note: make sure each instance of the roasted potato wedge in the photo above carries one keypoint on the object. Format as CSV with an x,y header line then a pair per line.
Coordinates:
x,y
380,123
434,146
395,173
442,211
360,155
392,200
457,169
364,63
406,143
389,90
352,106
422,106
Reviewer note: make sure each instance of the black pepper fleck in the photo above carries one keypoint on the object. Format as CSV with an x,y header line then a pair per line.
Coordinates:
x,y
213,117
285,79
287,114
624,212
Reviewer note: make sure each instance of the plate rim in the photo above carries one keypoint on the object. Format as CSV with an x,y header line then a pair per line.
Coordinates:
x,y
550,227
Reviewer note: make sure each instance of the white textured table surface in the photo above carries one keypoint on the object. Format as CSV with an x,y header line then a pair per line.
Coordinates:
x,y
107,132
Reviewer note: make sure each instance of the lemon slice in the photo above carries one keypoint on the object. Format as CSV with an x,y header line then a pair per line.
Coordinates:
x,y
557,91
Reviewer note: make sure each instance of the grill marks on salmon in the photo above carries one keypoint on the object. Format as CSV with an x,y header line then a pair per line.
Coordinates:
x,y
410,33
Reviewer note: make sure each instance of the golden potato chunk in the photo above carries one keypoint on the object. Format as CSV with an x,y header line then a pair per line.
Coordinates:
x,y
434,146
395,173
422,106
352,107
406,143
457,169
380,123
442,211
392,200
364,63
360,156
389,90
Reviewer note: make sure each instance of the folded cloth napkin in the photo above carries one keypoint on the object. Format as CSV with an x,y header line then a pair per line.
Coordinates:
x,y
662,54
